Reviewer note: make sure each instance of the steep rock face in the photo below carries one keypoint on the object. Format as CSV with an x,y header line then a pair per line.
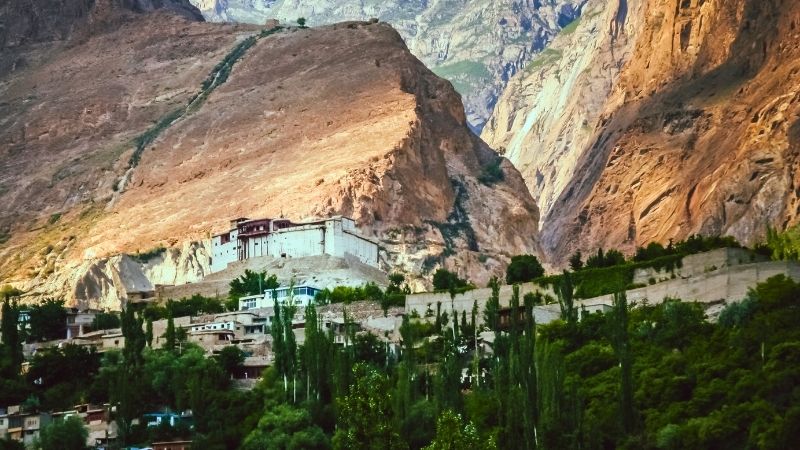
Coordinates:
x,y
680,118
546,117
107,282
33,21
338,120
478,45
699,135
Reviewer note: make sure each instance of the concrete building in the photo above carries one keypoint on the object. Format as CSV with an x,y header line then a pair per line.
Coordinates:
x,y
22,426
282,238
79,321
300,296
221,325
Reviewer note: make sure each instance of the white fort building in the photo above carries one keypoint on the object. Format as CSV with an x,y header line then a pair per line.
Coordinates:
x,y
281,238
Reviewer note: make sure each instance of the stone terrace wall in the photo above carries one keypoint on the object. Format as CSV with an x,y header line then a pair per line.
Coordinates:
x,y
728,283
719,275
464,302
694,265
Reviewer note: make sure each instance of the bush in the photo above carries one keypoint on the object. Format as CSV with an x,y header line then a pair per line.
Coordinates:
x,y
105,321
576,261
610,259
149,254
523,268
444,280
67,434
492,173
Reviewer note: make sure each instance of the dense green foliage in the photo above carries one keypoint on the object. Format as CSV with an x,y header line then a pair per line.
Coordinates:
x,y
606,272
492,173
64,434
644,376
192,306
785,244
12,386
105,321
48,321
149,254
444,280
523,268
10,444
394,295
58,376
251,283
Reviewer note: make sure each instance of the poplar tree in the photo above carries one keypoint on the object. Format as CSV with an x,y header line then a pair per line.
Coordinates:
x,y
620,341
148,334
128,387
566,300
290,346
491,315
12,346
278,347
528,372
169,334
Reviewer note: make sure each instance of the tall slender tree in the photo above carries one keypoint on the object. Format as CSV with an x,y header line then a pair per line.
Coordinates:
x,y
170,341
278,346
127,388
148,333
620,340
11,353
566,300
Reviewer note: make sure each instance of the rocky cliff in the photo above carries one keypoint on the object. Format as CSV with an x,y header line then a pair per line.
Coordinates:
x,y
546,117
478,45
157,131
698,133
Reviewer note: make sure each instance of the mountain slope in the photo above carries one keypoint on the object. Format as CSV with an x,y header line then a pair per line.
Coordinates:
x,y
698,134
545,118
335,120
477,45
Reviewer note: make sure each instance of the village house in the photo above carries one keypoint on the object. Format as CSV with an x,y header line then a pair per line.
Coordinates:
x,y
172,445
299,296
281,238
170,418
20,425
79,321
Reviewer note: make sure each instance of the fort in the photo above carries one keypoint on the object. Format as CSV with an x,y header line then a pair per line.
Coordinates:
x,y
281,238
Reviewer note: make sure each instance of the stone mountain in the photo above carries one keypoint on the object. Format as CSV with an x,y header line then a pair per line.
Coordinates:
x,y
476,44
656,119
135,130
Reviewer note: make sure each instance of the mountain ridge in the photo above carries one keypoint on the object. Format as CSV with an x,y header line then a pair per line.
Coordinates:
x,y
388,146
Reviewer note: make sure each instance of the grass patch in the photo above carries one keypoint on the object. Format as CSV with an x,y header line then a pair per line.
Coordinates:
x,y
472,69
547,57
571,27
149,254
463,75
143,140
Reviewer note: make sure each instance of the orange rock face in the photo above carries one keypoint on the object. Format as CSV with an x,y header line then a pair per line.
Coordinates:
x,y
701,135
335,120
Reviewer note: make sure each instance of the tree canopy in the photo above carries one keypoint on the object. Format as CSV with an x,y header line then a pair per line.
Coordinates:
x,y
523,268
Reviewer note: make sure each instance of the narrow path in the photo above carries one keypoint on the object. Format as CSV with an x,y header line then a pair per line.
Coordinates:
x,y
218,76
